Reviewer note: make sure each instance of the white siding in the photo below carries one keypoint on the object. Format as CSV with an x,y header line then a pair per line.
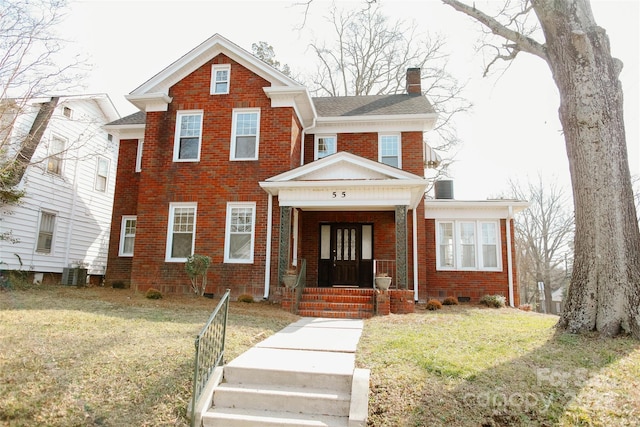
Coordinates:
x,y
83,214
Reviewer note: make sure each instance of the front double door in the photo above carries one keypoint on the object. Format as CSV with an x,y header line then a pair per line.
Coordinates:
x,y
345,255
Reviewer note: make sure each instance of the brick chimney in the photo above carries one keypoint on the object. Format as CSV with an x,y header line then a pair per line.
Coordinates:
x,y
413,81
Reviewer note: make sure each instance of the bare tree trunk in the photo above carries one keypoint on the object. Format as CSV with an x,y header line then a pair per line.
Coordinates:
x,y
605,287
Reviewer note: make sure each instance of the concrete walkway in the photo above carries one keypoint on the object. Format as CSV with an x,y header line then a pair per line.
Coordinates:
x,y
302,375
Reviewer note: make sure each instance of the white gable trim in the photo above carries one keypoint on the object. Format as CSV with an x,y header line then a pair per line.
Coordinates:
x,y
344,181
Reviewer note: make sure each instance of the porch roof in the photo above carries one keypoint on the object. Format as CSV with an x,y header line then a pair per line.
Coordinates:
x,y
344,181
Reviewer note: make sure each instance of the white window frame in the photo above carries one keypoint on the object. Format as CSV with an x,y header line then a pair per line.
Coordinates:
x,y
316,145
236,112
214,78
139,155
56,156
172,211
381,136
478,252
124,235
176,141
227,234
39,231
67,112
98,176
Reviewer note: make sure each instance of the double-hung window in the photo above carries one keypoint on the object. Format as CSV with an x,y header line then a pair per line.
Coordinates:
x,y
127,235
188,136
245,134
220,74
56,150
102,174
45,232
390,150
240,233
325,145
468,245
181,234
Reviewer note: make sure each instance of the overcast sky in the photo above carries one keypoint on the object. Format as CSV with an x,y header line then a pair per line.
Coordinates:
x,y
513,130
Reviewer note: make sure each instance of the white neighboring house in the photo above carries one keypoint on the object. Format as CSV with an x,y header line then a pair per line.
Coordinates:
x,y
64,217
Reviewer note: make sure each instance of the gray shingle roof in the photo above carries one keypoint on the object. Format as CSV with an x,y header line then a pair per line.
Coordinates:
x,y
372,105
138,118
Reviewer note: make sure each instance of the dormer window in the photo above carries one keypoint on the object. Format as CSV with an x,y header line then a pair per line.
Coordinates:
x,y
220,79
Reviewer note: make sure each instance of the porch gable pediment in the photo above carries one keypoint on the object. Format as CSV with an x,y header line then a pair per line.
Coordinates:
x,y
346,181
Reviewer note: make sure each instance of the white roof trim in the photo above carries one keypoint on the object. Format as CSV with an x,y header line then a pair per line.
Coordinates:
x,y
468,209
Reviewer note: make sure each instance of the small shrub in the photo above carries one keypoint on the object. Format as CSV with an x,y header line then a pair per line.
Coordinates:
x,y
434,304
525,307
153,294
245,298
119,284
450,301
496,301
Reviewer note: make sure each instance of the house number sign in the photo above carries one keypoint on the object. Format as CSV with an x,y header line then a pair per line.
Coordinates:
x,y
338,194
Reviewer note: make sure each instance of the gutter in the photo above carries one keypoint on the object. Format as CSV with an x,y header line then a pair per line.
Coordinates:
x,y
509,257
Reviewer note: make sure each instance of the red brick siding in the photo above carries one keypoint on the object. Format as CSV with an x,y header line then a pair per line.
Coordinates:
x,y
125,202
211,182
474,284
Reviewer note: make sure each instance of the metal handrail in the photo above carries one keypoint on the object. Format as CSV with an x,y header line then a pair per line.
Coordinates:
x,y
209,349
301,282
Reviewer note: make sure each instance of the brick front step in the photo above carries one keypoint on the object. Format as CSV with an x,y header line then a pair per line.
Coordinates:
x,y
336,314
341,303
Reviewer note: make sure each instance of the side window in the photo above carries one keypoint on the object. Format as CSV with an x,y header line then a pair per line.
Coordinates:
x,y
56,151
181,234
127,235
188,136
240,233
102,174
220,79
325,145
139,155
445,245
468,245
45,232
389,150
245,134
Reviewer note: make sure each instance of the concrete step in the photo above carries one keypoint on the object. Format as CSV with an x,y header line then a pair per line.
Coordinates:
x,y
292,368
288,399
233,417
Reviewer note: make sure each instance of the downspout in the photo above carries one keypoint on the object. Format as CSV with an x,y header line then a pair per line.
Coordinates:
x,y
415,254
72,214
267,266
304,132
294,255
509,257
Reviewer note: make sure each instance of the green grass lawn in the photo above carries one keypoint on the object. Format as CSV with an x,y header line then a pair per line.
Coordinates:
x,y
472,366
106,357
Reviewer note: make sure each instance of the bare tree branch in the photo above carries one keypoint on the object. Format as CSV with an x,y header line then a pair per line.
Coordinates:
x,y
521,41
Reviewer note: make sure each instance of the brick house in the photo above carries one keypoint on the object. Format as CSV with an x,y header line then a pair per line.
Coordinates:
x,y
232,159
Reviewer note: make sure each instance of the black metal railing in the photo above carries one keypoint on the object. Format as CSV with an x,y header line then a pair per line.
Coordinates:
x,y
387,266
209,349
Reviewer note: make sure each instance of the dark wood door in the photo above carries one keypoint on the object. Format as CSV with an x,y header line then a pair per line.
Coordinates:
x,y
345,253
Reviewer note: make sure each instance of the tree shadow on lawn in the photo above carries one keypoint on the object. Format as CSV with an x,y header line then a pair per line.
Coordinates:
x,y
570,380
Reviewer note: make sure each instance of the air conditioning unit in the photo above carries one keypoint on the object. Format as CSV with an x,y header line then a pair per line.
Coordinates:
x,y
74,276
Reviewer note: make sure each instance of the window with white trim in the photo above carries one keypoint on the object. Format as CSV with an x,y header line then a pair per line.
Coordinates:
x,y
390,150
220,78
188,136
240,232
56,150
45,232
139,155
245,134
127,235
181,233
325,145
468,245
102,174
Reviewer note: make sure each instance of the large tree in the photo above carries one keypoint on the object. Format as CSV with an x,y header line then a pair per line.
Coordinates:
x,y
604,294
